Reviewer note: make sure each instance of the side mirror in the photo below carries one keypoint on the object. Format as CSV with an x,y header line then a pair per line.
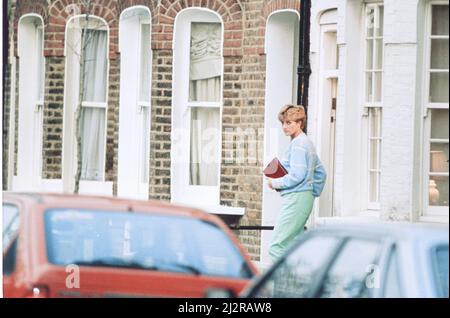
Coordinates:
x,y
220,293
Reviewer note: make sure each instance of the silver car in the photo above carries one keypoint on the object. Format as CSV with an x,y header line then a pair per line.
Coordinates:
x,y
361,260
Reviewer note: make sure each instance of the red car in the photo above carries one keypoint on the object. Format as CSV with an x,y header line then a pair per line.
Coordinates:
x,y
82,246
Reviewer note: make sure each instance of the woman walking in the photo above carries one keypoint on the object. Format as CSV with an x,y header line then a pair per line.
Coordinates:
x,y
305,181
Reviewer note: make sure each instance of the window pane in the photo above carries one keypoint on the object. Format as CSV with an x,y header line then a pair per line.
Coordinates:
x,y
95,66
439,87
438,190
369,56
439,54
205,62
40,64
441,261
92,143
144,89
337,57
440,20
369,93
204,152
380,21
374,154
10,223
375,122
379,59
370,21
373,187
205,90
439,123
378,86
351,274
145,145
439,157
9,259
298,273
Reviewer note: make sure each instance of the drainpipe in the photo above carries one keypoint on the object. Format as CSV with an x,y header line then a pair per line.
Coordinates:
x,y
304,67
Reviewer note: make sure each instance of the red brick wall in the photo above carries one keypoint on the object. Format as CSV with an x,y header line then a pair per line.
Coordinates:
x,y
244,91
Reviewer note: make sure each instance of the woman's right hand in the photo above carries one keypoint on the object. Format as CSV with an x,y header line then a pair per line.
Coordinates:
x,y
269,183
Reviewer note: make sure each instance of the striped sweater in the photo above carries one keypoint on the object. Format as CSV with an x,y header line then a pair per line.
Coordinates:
x,y
305,171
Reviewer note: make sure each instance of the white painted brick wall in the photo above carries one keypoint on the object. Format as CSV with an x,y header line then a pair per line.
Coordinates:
x,y
400,21
398,129
399,99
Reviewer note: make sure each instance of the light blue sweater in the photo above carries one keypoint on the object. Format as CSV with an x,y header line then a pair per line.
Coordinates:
x,y
305,171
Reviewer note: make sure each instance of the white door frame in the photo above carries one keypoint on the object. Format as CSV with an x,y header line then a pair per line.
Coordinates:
x,y
327,74
281,47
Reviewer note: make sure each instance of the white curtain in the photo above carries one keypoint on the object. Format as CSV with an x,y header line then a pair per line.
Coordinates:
x,y
92,143
95,66
205,90
93,118
205,51
205,86
205,135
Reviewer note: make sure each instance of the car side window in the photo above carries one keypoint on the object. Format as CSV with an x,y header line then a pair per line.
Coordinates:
x,y
441,269
295,276
353,272
9,259
392,288
10,224
10,228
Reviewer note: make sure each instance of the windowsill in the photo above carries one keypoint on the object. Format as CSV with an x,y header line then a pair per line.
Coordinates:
x,y
56,186
96,188
52,185
434,218
220,209
227,210
362,217
40,185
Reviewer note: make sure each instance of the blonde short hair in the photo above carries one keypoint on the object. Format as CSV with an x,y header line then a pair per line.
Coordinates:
x,y
292,113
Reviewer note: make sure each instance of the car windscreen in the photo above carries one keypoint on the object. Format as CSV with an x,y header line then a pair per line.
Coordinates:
x,y
141,241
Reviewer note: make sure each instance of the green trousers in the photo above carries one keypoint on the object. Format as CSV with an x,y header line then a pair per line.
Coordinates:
x,y
297,207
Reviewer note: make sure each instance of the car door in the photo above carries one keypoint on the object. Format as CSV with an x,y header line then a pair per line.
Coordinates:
x,y
392,285
354,272
297,274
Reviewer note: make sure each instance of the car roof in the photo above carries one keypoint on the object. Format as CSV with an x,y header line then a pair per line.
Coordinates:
x,y
388,230
146,206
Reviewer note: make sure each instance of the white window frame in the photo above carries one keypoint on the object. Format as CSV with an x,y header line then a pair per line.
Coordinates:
x,y
281,48
181,190
430,211
69,167
143,186
39,110
370,106
201,191
129,179
30,121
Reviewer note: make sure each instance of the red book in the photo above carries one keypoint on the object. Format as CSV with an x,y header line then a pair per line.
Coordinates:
x,y
275,169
